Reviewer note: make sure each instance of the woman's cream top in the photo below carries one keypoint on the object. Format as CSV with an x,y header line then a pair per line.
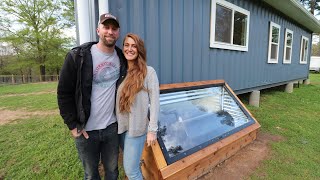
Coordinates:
x,y
136,122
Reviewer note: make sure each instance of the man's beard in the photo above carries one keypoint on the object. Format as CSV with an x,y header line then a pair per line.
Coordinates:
x,y
109,43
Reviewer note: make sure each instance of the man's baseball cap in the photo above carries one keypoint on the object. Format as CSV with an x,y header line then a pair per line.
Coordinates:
x,y
109,17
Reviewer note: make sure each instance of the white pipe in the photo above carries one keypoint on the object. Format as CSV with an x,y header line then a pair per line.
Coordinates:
x,y
87,20
103,6
83,16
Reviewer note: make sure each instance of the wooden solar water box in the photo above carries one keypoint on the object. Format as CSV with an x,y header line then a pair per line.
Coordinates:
x,y
200,125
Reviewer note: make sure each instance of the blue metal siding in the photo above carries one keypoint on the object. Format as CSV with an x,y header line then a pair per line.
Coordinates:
x,y
166,35
177,43
177,35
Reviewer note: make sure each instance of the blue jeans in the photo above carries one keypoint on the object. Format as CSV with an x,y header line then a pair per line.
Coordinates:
x,y
102,144
132,150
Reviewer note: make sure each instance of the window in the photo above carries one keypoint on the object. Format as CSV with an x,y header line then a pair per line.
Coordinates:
x,y
192,118
229,26
304,50
274,40
288,38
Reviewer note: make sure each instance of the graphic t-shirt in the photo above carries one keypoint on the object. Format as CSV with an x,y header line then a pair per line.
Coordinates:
x,y
106,71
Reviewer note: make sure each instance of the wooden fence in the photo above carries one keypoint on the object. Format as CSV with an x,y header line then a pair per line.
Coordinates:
x,y
21,79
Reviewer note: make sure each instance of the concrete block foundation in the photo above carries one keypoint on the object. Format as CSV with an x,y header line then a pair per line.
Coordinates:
x,y
254,98
289,87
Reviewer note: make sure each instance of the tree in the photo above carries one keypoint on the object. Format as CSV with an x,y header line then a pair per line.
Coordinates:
x,y
314,8
312,5
34,29
68,13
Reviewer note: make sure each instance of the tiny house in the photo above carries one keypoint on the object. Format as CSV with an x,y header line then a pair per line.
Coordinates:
x,y
251,44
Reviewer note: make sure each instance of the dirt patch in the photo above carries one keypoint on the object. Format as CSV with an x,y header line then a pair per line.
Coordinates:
x,y
27,94
315,83
244,162
36,169
1,176
8,116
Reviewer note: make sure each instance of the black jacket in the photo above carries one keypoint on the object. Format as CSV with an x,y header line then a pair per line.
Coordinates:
x,y
75,85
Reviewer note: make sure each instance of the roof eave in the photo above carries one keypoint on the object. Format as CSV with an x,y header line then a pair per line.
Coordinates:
x,y
297,12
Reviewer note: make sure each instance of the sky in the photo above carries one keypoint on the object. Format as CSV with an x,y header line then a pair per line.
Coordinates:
x,y
70,32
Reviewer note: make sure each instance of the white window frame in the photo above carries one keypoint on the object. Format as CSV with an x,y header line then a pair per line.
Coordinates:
x,y
272,24
301,49
285,47
222,45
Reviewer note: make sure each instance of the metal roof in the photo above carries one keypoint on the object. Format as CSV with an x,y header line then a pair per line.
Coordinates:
x,y
297,12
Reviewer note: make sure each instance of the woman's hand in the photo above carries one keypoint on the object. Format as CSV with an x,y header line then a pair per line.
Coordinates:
x,y
151,138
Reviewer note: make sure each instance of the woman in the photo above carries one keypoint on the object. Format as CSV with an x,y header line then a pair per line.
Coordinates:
x,y
139,89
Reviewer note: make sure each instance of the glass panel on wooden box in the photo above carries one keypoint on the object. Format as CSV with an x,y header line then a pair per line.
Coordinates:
x,y
193,118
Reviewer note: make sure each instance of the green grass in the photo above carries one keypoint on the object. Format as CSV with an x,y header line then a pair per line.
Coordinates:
x,y
42,147
296,117
31,102
38,148
27,88
24,96
315,79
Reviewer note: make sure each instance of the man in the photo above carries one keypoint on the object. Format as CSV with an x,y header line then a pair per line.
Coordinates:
x,y
86,98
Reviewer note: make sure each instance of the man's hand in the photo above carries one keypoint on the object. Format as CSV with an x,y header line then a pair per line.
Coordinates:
x,y
75,133
151,138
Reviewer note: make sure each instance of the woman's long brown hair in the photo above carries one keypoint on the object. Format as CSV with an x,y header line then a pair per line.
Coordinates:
x,y
135,76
